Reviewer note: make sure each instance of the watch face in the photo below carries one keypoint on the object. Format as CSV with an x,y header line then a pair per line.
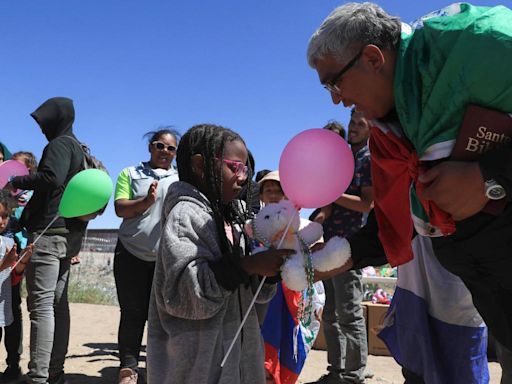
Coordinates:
x,y
496,192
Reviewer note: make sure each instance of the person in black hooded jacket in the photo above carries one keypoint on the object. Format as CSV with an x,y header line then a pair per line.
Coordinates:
x,y
48,271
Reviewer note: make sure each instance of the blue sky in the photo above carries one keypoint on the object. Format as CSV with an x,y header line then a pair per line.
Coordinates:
x,y
132,66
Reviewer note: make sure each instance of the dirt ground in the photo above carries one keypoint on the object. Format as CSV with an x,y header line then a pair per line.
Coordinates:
x,y
92,356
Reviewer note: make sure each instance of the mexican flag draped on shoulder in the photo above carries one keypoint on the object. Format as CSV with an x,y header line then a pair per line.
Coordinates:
x,y
447,60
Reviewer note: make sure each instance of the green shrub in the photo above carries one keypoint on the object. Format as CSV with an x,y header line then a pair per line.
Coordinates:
x,y
80,292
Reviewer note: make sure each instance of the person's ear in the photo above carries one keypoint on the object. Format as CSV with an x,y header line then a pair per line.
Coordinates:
x,y
373,56
198,165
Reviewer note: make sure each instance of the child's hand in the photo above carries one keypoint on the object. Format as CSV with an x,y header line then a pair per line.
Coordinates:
x,y
26,254
75,259
318,314
9,188
266,263
9,258
324,214
317,247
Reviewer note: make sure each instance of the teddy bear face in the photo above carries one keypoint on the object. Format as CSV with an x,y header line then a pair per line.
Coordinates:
x,y
271,221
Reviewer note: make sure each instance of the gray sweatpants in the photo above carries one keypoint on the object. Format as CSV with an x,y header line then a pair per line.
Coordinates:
x,y
47,277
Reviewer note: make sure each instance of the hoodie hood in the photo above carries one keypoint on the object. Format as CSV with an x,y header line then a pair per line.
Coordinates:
x,y
55,117
182,191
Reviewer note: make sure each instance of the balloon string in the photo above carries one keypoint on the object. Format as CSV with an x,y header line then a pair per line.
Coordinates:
x,y
253,300
35,241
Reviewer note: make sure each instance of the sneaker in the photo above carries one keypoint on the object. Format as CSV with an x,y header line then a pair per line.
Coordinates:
x,y
127,376
329,378
11,375
368,374
60,378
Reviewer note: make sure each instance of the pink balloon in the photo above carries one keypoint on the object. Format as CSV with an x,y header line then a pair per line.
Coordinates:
x,y
315,168
11,168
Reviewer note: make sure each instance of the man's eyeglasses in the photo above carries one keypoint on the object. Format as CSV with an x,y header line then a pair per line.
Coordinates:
x,y
161,146
237,167
332,85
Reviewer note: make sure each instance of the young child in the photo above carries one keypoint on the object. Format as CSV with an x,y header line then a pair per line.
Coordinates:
x,y
7,251
22,198
204,277
9,278
287,337
13,340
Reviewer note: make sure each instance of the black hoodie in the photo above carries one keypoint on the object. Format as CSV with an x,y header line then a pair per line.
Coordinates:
x,y
60,161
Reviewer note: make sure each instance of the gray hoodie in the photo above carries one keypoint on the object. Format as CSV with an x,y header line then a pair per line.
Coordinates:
x,y
192,319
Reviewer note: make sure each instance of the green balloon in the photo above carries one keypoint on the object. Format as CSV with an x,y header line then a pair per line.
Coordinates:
x,y
87,192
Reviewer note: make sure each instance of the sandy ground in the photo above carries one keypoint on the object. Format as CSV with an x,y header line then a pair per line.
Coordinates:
x,y
92,356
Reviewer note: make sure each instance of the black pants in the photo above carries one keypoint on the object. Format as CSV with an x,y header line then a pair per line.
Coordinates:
x,y
411,377
480,253
13,340
134,278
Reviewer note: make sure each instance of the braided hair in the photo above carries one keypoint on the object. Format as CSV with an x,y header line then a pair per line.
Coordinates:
x,y
209,141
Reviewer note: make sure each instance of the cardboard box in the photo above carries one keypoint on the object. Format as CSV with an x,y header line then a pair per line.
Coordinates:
x,y
376,314
320,343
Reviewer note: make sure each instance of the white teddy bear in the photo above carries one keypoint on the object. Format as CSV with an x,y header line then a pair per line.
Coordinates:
x,y
268,228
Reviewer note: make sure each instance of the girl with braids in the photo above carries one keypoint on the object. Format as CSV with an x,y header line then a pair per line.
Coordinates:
x,y
204,276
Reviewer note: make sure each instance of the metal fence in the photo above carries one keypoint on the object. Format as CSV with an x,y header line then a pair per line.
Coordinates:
x,y
100,240
94,271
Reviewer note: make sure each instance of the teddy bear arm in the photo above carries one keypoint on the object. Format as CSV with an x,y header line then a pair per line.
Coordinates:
x,y
311,233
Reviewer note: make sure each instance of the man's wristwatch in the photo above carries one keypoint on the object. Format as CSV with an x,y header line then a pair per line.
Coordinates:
x,y
493,190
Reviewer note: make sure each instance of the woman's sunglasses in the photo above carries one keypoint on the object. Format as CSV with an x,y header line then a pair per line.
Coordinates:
x,y
161,146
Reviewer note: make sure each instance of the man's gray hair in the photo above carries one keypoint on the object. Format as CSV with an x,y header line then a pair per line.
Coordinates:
x,y
352,26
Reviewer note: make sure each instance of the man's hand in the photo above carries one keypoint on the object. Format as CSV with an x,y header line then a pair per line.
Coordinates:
x,y
456,187
333,272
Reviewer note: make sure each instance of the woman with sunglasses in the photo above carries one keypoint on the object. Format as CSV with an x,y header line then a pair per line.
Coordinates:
x,y
140,191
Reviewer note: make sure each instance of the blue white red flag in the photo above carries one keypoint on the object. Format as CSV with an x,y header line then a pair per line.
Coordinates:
x,y
432,327
288,339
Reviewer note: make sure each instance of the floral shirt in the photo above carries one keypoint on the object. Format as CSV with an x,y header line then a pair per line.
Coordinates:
x,y
342,221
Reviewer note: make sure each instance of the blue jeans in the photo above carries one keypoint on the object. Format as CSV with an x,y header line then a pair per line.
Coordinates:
x,y
344,326
47,277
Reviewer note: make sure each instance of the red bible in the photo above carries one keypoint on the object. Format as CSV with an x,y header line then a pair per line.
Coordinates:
x,y
482,130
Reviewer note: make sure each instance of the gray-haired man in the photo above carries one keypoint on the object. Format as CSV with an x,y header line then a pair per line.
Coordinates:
x,y
415,85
